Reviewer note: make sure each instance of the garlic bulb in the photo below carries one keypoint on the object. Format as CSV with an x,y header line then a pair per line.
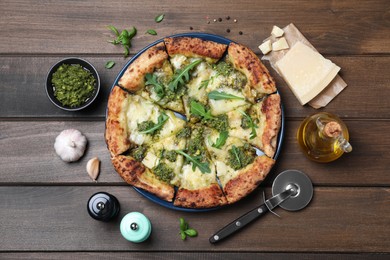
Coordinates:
x,y
70,145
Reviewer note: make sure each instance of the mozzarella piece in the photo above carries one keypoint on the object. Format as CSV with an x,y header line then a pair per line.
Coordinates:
x,y
306,71
266,47
280,44
150,160
276,31
178,60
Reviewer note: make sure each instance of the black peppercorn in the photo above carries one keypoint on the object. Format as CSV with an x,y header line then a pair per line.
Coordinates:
x,y
228,30
240,33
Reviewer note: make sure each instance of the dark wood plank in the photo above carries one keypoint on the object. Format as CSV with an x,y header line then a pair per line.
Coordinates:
x,y
346,220
347,27
27,155
189,256
23,88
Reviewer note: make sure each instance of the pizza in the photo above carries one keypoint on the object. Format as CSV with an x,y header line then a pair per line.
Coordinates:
x,y
194,122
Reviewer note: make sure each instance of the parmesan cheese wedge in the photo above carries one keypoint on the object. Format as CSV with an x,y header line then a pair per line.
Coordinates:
x,y
306,71
280,44
276,31
265,47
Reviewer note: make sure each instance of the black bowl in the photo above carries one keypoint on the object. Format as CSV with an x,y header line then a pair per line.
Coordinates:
x,y
87,66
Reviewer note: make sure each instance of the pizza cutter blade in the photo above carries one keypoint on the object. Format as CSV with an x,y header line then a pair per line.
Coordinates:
x,y
292,190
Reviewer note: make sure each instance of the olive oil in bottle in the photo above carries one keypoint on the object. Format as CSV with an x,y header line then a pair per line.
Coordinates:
x,y
323,137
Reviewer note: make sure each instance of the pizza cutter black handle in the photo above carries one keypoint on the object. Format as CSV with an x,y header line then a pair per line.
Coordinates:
x,y
239,223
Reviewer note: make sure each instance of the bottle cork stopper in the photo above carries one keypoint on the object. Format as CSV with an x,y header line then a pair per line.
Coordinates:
x,y
332,129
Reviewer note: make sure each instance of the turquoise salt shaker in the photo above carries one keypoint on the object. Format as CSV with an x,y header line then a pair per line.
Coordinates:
x,y
135,227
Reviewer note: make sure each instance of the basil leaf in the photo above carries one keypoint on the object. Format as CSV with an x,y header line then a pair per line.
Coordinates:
x,y
191,232
160,122
199,110
182,75
221,140
151,79
251,124
151,32
217,95
159,18
109,64
112,28
183,224
183,235
132,32
202,166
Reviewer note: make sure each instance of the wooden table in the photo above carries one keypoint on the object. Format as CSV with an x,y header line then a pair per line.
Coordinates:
x,y
43,200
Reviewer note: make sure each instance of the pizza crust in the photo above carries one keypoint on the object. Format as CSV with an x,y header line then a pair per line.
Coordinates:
x,y
134,77
248,179
135,173
260,81
208,197
195,47
270,107
116,134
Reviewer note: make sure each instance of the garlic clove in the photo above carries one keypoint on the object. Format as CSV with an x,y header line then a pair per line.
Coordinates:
x,y
93,168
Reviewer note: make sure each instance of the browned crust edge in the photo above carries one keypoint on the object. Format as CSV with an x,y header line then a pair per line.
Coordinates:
x,y
116,129
195,47
248,179
135,173
208,197
134,77
273,114
246,61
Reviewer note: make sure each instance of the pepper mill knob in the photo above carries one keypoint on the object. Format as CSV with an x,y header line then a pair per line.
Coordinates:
x,y
103,206
135,227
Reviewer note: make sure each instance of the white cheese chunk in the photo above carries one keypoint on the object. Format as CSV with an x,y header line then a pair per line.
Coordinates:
x,y
306,71
266,47
280,44
150,160
276,31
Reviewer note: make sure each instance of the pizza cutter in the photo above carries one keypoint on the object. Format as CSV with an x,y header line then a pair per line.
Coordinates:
x,y
292,190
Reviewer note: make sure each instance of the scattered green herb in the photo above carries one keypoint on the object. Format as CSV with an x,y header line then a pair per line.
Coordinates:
x,y
151,79
249,123
73,85
123,38
198,109
182,76
185,230
159,18
110,64
220,95
196,162
221,140
151,32
149,127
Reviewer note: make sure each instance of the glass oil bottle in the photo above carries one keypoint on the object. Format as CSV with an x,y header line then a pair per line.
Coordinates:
x,y
323,137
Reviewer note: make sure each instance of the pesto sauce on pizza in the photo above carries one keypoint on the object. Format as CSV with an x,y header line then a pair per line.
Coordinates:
x,y
163,172
138,152
241,156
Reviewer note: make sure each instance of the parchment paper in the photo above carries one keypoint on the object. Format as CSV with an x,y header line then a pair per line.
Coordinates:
x,y
293,35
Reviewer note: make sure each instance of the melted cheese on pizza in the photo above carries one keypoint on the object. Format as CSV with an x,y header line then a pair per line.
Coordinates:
x,y
195,179
141,110
154,156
